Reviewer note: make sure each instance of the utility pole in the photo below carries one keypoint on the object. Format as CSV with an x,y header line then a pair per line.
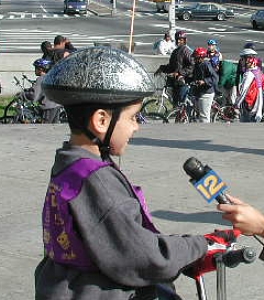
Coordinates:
x,y
172,25
113,6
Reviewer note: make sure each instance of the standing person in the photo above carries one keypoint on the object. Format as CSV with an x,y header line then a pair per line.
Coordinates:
x,y
62,48
165,46
227,82
99,239
248,49
49,108
214,55
47,50
205,79
180,67
250,97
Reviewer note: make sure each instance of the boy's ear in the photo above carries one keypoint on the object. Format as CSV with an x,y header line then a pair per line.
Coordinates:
x,y
99,121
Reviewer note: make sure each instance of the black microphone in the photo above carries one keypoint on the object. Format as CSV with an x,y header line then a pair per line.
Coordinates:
x,y
206,181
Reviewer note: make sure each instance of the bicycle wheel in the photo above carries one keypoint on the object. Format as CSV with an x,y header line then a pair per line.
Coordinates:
x,y
11,113
230,113
153,112
62,116
179,115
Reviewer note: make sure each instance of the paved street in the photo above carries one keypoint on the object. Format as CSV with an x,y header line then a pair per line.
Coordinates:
x,y
154,159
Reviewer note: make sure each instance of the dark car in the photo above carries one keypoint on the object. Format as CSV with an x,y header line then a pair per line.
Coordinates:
x,y
257,19
204,11
75,6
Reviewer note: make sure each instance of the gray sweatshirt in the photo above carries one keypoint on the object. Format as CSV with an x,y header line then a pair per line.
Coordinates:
x,y
130,259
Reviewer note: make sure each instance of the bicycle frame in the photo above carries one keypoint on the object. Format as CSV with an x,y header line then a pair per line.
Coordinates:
x,y
246,255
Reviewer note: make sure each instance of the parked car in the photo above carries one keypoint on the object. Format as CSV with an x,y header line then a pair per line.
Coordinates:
x,y
257,19
164,5
204,11
75,6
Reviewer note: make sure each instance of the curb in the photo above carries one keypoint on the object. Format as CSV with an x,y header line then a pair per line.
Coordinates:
x,y
99,9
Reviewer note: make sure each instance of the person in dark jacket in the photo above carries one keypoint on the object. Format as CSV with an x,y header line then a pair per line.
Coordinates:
x,y
62,48
205,79
99,239
47,50
180,67
50,109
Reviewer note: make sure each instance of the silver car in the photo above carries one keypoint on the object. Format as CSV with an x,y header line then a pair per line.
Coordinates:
x,y
257,19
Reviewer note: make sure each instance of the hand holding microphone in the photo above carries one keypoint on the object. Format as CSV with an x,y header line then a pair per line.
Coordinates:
x,y
211,187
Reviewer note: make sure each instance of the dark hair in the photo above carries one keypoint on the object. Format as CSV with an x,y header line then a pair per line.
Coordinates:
x,y
167,34
59,39
46,48
45,45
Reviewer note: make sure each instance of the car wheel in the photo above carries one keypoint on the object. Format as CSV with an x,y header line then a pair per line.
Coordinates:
x,y
254,24
186,16
220,17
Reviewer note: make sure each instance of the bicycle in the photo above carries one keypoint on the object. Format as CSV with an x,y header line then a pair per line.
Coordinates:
x,y
22,109
186,111
156,109
162,108
230,258
226,113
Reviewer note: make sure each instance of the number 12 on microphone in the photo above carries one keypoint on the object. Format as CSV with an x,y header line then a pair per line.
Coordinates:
x,y
210,186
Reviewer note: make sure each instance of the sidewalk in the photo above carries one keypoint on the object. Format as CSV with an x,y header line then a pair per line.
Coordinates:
x,y
154,160
99,9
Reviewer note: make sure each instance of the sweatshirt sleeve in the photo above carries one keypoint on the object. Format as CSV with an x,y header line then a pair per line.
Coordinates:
x,y
248,77
109,221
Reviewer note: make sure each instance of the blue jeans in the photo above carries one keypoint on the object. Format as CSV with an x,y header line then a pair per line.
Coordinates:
x,y
179,93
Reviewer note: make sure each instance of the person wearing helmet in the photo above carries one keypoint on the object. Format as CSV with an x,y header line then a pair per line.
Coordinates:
x,y
214,54
205,80
180,67
99,239
248,49
250,97
251,45
50,109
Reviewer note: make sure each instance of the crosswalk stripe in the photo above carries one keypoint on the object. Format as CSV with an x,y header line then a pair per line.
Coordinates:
x,y
127,14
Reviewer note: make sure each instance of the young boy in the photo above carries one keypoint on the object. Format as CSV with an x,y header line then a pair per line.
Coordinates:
x,y
99,240
206,81
50,109
250,96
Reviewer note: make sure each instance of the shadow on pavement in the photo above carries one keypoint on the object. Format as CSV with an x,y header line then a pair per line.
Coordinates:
x,y
193,144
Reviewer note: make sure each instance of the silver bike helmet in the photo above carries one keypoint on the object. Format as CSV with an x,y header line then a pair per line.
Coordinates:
x,y
98,75
248,52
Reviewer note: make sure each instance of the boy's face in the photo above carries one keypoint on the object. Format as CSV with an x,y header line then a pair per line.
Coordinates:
x,y
211,48
38,71
180,41
125,127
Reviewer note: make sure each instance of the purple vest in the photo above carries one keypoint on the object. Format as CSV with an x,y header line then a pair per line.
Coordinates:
x,y
258,76
61,242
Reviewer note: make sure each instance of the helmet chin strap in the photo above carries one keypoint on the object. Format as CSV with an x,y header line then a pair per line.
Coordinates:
x,y
104,146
